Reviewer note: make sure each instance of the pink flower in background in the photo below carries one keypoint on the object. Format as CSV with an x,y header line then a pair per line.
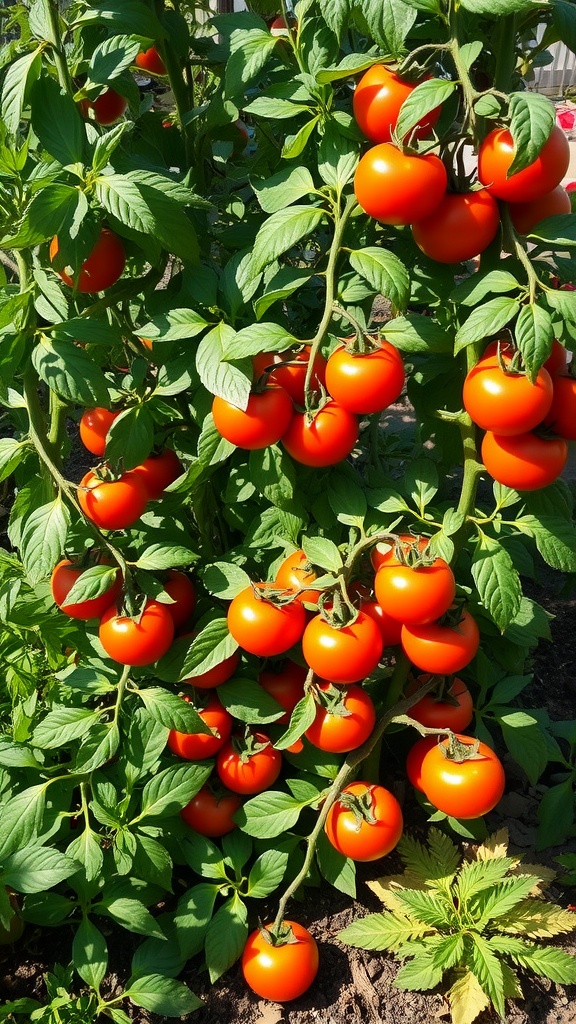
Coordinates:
x,y
566,119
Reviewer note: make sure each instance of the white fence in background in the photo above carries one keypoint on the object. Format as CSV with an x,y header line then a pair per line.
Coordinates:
x,y
555,78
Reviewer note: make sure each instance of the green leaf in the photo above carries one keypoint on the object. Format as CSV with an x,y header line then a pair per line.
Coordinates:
x,y
261,337
500,8
187,658
90,954
35,869
557,232
487,969
416,333
301,719
347,499
500,900
389,22
100,745
486,320
497,581
526,743
123,199
62,726
424,98
152,862
123,16
281,232
169,791
421,481
556,814
220,377
473,289
268,815
132,915
11,454
162,556
91,584
130,438
419,974
70,372
171,711
175,325
247,701
436,863
284,283
275,108
338,157
57,122
284,188
226,937
111,58
555,540
337,869
323,552
87,851
426,907
294,145
43,539
17,82
534,334
252,50
350,65
266,873
21,819
385,272
225,580
382,931
162,995
532,118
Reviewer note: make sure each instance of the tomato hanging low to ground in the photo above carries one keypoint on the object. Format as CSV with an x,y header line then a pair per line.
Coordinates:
x,y
280,972
399,188
365,823
462,788
415,757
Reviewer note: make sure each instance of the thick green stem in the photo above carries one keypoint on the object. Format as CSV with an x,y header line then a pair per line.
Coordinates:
x,y
57,429
473,467
52,16
468,91
505,50
121,692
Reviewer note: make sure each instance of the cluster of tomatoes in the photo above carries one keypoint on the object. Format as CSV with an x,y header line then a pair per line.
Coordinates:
x,y
110,106
354,381
527,423
402,186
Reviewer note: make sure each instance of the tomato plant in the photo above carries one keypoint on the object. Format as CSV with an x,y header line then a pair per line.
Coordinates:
x,y
442,649
63,578
365,823
159,471
504,401
342,654
137,641
465,788
324,440
525,461
280,971
194,746
210,814
365,382
262,627
462,226
415,595
561,417
399,188
296,573
285,685
378,97
112,504
264,421
100,270
288,371
94,426
526,216
248,765
343,724
495,160
451,707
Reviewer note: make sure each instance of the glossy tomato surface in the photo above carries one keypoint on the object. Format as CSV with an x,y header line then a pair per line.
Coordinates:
x,y
453,710
377,99
389,628
525,462
541,176
397,188
461,227
137,642
102,268
280,973
151,61
63,578
348,726
561,417
211,815
196,746
112,504
290,371
525,216
262,423
442,650
415,757
328,439
107,108
506,402
158,471
345,655
415,595
296,572
467,789
367,382
94,426
286,686
181,589
368,840
247,773
261,627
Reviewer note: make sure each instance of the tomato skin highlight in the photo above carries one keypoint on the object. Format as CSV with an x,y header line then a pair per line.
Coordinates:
x,y
137,643
367,382
280,973
440,714
150,60
525,462
101,269
258,772
262,628
197,746
344,655
389,628
377,100
286,686
211,815
541,176
293,574
561,417
396,188
94,426
503,401
461,227
442,650
525,216
327,440
466,790
263,423
108,108
291,378
114,504
158,471
338,734
369,841
64,576
415,595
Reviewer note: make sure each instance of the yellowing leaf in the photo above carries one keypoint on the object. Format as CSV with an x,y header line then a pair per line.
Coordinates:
x,y
467,1000
495,846
537,919
384,888
545,875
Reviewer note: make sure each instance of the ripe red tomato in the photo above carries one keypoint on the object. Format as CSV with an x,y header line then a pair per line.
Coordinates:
x,y
290,371
218,674
461,227
557,360
280,972
64,577
348,726
504,401
296,572
112,504
102,268
389,628
465,789
415,595
377,100
525,216
264,421
367,382
137,641
541,176
261,627
328,439
368,840
245,772
525,462
398,188
181,590
196,746
108,108
454,712
416,755
442,650
286,686
94,426
561,417
279,27
151,61
211,815
158,471
344,655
